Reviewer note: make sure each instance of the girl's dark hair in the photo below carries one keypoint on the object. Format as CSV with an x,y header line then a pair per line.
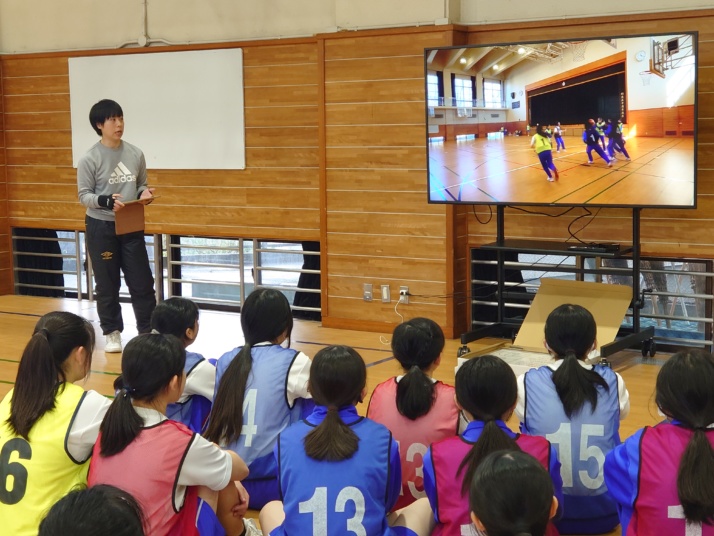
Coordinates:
x,y
486,388
103,110
174,316
40,374
685,392
540,129
148,364
337,378
416,344
570,333
511,493
264,317
95,511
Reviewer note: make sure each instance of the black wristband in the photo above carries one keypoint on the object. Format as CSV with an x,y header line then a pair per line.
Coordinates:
x,y
106,201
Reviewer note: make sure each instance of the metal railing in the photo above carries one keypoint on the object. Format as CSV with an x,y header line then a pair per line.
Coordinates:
x,y
211,271
453,102
224,271
677,297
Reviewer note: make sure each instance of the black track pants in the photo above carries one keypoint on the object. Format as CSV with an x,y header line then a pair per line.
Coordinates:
x,y
110,254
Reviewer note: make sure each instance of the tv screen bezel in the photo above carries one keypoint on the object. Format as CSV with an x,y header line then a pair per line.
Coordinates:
x,y
695,46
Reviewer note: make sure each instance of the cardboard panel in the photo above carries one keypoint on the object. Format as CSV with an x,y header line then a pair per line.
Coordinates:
x,y
607,303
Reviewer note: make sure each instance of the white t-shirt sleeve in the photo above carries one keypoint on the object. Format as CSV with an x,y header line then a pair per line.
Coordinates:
x,y
200,381
85,428
206,465
298,375
624,397
521,400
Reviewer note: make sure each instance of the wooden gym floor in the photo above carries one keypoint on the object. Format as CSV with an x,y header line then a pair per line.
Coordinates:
x,y
507,170
220,332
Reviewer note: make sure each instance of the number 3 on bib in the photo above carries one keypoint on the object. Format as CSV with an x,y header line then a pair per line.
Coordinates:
x,y
249,428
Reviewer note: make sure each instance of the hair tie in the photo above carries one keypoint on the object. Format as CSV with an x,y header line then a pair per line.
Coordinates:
x,y
126,390
155,332
44,332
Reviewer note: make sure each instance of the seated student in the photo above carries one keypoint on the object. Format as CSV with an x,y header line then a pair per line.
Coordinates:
x,y
662,477
486,393
179,317
159,461
261,388
417,409
338,472
48,425
511,495
94,512
578,408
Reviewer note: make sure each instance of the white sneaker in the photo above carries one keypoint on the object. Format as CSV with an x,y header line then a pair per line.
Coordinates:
x,y
609,164
250,528
590,163
113,345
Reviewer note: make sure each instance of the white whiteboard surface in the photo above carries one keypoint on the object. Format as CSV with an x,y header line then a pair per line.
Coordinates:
x,y
184,110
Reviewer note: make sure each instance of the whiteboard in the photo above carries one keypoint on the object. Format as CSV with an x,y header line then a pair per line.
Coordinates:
x,y
184,110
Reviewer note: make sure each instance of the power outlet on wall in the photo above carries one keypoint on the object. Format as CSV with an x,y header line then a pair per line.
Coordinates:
x,y
403,294
386,295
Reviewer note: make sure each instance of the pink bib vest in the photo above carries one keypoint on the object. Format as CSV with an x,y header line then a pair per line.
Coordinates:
x,y
414,437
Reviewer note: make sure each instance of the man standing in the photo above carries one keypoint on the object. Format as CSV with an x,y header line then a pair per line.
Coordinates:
x,y
111,171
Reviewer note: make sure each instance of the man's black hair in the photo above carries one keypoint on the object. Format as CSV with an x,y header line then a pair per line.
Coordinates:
x,y
103,110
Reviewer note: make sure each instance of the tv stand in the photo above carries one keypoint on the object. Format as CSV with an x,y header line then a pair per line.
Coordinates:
x,y
504,327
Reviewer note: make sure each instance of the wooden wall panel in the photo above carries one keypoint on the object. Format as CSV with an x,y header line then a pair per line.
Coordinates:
x,y
380,228
368,113
6,264
400,180
275,197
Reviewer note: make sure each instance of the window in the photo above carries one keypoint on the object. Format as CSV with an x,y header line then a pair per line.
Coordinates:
x,y
463,91
432,89
492,94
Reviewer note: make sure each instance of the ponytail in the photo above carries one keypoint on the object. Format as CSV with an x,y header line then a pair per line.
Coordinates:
x,y
492,438
148,364
337,378
684,392
576,385
40,375
415,394
265,317
486,388
695,480
226,419
417,345
570,333
121,424
332,440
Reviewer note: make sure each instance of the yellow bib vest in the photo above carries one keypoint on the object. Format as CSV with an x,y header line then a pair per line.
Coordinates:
x,y
542,143
35,474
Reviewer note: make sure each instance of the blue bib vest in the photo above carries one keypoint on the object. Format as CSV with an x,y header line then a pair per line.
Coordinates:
x,y
582,442
194,411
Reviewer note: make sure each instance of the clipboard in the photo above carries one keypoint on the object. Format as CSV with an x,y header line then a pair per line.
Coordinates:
x,y
130,219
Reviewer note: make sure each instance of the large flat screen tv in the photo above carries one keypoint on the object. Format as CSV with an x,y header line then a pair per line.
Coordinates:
x,y
484,104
